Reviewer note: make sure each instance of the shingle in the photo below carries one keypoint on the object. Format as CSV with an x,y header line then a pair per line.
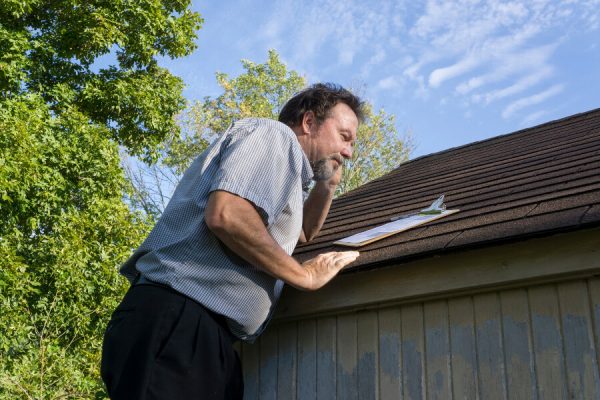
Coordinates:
x,y
531,182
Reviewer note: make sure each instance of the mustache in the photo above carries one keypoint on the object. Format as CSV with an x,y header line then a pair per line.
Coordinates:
x,y
336,156
322,170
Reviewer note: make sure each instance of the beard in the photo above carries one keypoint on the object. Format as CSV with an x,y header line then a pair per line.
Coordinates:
x,y
324,168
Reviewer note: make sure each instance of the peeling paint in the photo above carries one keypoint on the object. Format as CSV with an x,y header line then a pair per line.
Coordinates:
x,y
307,365
582,370
546,332
516,336
367,374
437,343
463,344
491,360
412,367
519,369
549,356
347,384
389,357
326,375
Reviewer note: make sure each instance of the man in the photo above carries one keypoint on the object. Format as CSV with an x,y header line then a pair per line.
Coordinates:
x,y
212,269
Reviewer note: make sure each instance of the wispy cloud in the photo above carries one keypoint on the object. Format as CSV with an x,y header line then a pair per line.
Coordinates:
x,y
438,76
537,98
519,86
533,61
533,118
481,53
390,82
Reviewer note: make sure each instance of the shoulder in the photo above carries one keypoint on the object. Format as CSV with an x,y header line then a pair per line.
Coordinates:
x,y
266,138
268,128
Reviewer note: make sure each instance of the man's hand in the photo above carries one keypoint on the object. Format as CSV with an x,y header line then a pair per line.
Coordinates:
x,y
317,205
324,267
336,178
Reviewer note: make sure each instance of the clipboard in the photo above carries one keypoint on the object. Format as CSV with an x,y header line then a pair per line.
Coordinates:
x,y
435,211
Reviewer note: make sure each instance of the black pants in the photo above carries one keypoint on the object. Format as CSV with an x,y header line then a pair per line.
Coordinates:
x,y
160,344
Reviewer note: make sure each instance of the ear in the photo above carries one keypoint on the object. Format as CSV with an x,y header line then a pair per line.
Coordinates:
x,y
309,123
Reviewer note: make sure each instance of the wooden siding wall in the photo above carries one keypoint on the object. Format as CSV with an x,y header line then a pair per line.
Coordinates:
x,y
538,342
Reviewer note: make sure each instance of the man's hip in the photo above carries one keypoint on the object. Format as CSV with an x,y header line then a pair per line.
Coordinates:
x,y
160,344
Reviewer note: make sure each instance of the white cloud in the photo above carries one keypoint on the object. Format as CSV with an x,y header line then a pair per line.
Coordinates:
x,y
522,84
533,118
532,61
517,105
438,76
390,82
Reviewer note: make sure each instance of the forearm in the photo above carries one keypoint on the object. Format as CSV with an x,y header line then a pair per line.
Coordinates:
x,y
316,208
237,224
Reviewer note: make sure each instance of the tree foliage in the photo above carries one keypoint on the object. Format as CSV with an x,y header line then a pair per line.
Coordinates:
x,y
49,48
65,227
260,91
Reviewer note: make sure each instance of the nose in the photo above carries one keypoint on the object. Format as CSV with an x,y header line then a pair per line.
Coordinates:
x,y
346,152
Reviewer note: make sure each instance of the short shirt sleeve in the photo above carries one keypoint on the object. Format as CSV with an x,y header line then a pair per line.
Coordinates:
x,y
262,163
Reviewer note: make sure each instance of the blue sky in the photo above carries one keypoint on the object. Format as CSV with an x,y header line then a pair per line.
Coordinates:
x,y
453,72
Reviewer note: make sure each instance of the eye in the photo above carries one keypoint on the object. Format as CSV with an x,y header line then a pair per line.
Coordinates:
x,y
347,137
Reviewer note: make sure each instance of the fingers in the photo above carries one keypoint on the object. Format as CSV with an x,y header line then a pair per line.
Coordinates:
x,y
340,258
346,257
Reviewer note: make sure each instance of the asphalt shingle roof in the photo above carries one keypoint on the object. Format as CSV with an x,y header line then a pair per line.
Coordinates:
x,y
533,182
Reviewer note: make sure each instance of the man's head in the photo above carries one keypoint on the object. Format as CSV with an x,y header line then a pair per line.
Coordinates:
x,y
319,98
325,118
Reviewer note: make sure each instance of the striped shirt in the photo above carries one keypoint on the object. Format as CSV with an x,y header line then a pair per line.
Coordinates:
x,y
261,161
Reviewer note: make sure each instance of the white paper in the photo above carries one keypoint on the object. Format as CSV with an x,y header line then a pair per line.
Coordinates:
x,y
399,225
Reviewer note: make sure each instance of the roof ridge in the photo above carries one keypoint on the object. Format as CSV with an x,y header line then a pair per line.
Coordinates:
x,y
503,135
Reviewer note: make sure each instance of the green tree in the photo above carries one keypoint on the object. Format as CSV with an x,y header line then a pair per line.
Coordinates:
x,y
49,48
260,91
65,228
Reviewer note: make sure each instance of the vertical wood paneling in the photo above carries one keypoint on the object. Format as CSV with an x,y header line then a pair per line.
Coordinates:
x,y
368,355
390,355
490,356
326,358
307,360
547,342
582,369
347,382
287,361
251,369
534,343
437,345
518,348
594,293
268,365
463,348
413,353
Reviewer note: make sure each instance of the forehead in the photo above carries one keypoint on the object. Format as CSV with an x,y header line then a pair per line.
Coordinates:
x,y
343,115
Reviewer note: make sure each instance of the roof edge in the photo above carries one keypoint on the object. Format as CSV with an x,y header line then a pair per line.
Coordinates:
x,y
471,246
